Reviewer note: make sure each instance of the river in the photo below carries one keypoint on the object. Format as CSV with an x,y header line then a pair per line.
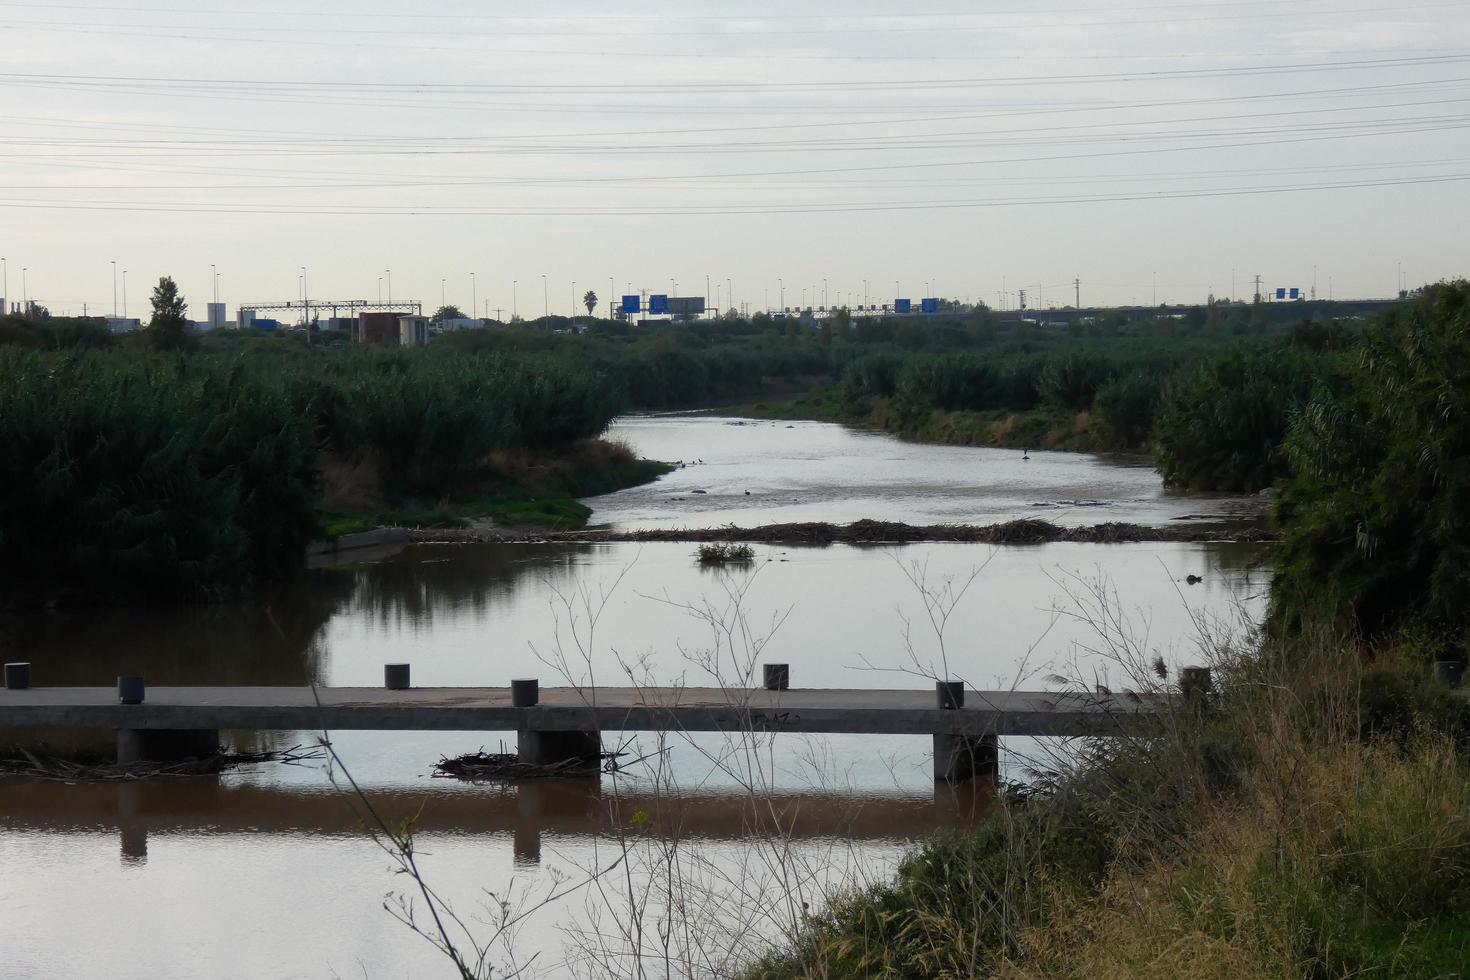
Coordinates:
x,y
265,871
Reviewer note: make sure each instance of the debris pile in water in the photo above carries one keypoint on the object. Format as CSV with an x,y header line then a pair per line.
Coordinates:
x,y
27,764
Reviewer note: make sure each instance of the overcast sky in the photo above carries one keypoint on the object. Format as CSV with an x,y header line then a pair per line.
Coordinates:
x,y
956,149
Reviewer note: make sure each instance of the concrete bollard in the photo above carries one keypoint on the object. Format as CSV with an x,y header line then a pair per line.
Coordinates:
x,y
395,677
1195,683
1449,672
777,677
950,694
17,676
525,693
130,690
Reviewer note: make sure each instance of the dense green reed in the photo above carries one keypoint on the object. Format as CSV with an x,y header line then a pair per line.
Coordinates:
x,y
137,475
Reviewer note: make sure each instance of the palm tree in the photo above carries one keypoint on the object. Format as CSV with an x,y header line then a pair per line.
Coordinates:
x,y
590,301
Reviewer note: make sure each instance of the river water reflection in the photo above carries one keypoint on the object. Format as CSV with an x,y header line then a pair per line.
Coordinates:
x,y
265,873
744,472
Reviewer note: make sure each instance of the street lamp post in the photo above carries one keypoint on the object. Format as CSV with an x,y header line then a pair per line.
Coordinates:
x,y
25,290
114,288
474,295
781,286
125,292
824,292
214,281
442,281
514,310
390,286
305,306
380,290
545,300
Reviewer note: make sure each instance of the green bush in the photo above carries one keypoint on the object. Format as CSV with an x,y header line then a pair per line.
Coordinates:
x,y
149,478
1123,410
1374,513
1221,425
135,475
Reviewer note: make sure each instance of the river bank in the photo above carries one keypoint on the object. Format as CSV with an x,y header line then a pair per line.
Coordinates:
x,y
1037,428
522,490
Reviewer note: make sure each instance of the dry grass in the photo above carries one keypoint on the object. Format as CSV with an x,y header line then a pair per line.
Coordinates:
x,y
1272,835
350,486
1368,840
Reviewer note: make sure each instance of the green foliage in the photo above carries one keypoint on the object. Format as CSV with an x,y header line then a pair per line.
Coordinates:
x,y
554,512
147,478
1071,380
1377,512
150,476
54,332
1123,410
450,312
958,903
724,553
170,328
1221,425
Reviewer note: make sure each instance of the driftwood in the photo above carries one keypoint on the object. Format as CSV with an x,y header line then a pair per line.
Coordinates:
x,y
1024,531
29,765
482,766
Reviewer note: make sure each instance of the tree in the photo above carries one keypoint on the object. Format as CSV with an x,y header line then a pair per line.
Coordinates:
x,y
169,328
589,300
450,312
1374,513
1220,425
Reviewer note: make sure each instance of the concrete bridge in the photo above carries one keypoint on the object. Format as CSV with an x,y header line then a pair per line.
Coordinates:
x,y
565,723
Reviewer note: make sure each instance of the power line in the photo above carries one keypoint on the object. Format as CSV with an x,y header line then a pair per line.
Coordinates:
x,y
110,82
525,211
319,138
665,28
658,17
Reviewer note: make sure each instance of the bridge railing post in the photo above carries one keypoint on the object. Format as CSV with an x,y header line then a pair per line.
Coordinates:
x,y
962,757
396,677
1194,684
539,746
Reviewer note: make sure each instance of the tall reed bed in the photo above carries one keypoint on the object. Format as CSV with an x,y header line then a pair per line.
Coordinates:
x,y
129,475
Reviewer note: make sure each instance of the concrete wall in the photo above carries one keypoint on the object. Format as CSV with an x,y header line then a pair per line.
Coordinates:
x,y
377,329
413,331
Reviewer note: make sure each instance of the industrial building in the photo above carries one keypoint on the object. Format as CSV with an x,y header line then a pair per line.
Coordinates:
x,y
391,330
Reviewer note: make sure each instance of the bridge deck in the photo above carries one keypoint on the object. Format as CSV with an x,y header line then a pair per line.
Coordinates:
x,y
899,712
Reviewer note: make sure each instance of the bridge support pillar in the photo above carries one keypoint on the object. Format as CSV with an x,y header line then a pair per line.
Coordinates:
x,y
547,748
165,744
958,758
